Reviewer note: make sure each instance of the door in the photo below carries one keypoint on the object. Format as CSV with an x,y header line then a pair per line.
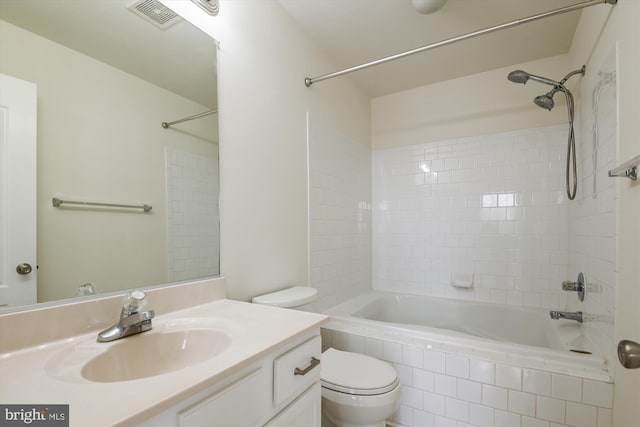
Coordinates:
x,y
18,276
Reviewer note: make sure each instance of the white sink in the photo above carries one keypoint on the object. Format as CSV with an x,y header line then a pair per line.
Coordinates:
x,y
168,347
147,355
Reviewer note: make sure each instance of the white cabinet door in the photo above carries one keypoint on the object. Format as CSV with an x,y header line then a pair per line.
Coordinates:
x,y
304,411
18,100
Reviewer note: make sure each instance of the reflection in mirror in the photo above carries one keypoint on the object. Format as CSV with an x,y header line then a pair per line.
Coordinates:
x,y
108,73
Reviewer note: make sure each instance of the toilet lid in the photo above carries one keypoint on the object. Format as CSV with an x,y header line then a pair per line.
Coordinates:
x,y
356,374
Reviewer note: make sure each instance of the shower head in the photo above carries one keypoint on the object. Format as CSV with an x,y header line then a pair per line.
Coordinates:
x,y
545,101
519,76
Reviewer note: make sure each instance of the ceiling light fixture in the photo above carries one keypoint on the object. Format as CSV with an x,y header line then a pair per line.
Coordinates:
x,y
427,6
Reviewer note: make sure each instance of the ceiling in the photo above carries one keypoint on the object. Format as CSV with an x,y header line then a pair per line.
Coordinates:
x,y
358,31
107,31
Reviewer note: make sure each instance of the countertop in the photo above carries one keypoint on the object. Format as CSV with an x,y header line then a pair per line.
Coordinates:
x,y
46,374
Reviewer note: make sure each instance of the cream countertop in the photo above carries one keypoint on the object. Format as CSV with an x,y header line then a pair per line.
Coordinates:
x,y
46,374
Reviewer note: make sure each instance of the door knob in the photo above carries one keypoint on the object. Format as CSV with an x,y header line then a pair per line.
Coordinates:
x,y
629,354
23,268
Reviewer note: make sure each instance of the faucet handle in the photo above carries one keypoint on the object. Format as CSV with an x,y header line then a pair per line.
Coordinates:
x,y
578,286
134,301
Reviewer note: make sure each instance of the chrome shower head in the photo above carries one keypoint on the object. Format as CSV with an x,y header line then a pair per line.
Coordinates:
x,y
545,101
518,76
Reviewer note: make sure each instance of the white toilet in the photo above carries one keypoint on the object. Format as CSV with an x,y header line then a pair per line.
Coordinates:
x,y
357,390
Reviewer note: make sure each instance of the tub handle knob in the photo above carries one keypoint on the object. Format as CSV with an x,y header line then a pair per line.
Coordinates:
x,y
578,286
314,362
629,354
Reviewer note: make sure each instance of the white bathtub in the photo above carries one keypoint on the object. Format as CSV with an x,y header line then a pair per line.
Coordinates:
x,y
502,333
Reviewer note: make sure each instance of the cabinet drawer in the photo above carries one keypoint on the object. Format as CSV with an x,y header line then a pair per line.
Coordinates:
x,y
296,370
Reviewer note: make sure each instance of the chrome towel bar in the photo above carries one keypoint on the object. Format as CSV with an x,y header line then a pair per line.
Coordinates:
x,y
57,202
628,169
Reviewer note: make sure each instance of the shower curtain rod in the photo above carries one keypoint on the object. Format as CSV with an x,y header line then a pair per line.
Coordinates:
x,y
309,81
166,125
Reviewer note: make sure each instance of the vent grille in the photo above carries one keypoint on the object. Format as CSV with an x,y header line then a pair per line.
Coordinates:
x,y
155,12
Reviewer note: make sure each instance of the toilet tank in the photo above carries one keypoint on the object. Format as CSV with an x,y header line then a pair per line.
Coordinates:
x,y
298,297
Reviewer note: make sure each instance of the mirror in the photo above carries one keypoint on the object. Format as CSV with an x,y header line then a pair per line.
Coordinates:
x,y
108,74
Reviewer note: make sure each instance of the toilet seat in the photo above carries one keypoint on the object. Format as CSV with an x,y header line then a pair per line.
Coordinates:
x,y
356,374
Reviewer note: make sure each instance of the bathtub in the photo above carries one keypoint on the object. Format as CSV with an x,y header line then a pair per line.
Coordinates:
x,y
525,337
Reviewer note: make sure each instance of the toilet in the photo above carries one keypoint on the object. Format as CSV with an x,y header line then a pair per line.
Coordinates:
x,y
357,390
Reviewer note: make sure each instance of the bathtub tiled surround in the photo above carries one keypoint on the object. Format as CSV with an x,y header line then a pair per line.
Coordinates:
x,y
444,389
340,215
491,206
592,216
193,223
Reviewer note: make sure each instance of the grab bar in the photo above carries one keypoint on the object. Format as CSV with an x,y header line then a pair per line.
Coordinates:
x,y
628,169
57,202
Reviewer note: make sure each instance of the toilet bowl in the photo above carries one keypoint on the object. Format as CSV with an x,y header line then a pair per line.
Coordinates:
x,y
357,390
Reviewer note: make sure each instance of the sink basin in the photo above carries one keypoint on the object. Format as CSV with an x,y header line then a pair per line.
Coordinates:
x,y
149,354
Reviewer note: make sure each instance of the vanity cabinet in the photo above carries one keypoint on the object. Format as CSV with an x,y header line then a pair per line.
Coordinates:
x,y
280,389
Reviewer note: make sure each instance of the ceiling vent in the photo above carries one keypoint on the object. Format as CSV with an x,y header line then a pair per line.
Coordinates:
x,y
154,12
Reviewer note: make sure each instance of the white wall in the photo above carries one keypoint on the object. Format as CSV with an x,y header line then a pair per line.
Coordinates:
x,y
262,62
91,115
479,104
599,30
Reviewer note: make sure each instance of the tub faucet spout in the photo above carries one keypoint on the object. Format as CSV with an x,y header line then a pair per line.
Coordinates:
x,y
575,315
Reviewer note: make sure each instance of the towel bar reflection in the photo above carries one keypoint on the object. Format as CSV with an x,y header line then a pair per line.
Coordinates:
x,y
628,169
57,202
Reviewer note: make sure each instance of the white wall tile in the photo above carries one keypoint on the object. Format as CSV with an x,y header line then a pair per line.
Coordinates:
x,y
597,393
580,415
445,422
423,380
434,361
494,397
482,371
537,382
533,422
457,366
522,403
480,416
422,419
457,409
550,409
509,376
469,391
566,387
412,397
434,403
506,419
413,356
405,374
446,385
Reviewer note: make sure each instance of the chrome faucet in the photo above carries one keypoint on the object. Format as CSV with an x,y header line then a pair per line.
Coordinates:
x,y
132,320
575,315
